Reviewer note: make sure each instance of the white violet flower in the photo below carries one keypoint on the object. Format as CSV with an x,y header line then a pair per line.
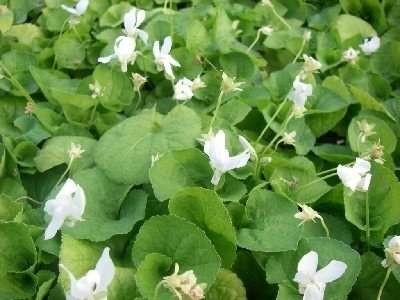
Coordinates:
x,y
392,251
68,206
370,45
307,214
220,160
351,55
299,93
266,30
94,284
79,9
132,20
312,283
163,59
356,177
124,51
184,284
184,89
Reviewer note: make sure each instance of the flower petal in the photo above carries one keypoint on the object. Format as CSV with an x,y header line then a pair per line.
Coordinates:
x,y
331,272
308,263
312,292
167,45
156,49
362,166
141,15
54,225
238,161
105,267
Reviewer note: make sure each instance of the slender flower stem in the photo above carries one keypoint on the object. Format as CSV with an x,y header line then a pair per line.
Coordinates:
x,y
333,65
326,171
139,102
65,173
283,21
385,280
28,198
271,120
303,44
16,83
325,228
219,102
367,221
255,41
59,36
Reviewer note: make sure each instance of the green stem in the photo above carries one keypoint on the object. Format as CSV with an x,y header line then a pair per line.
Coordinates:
x,y
325,228
255,41
326,171
317,180
219,102
65,173
271,120
28,198
59,36
383,284
367,221
278,135
303,44
139,100
334,65
16,83
283,21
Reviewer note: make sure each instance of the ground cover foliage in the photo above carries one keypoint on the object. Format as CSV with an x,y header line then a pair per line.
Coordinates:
x,y
199,149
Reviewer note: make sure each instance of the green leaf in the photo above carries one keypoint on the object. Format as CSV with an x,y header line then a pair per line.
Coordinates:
x,y
18,257
6,18
116,87
297,180
108,211
349,26
203,208
181,241
384,207
69,52
55,152
185,168
381,132
305,139
25,33
334,153
238,65
9,209
227,286
271,216
114,14
125,151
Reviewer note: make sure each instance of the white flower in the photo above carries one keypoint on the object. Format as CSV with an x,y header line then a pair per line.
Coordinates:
x,y
370,45
132,20
350,55
392,251
184,284
79,9
94,284
267,30
300,92
356,177
96,89
75,151
68,205
307,214
229,84
124,51
163,59
289,138
138,81
312,283
184,89
220,160
311,65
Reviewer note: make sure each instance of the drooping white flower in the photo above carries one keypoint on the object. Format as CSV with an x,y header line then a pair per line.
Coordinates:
x,y
94,284
312,283
75,151
229,84
392,252
138,81
300,92
310,65
350,55
68,206
246,145
220,160
289,138
124,51
371,45
266,30
356,177
376,153
184,89
162,58
184,284
307,214
132,20
79,9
